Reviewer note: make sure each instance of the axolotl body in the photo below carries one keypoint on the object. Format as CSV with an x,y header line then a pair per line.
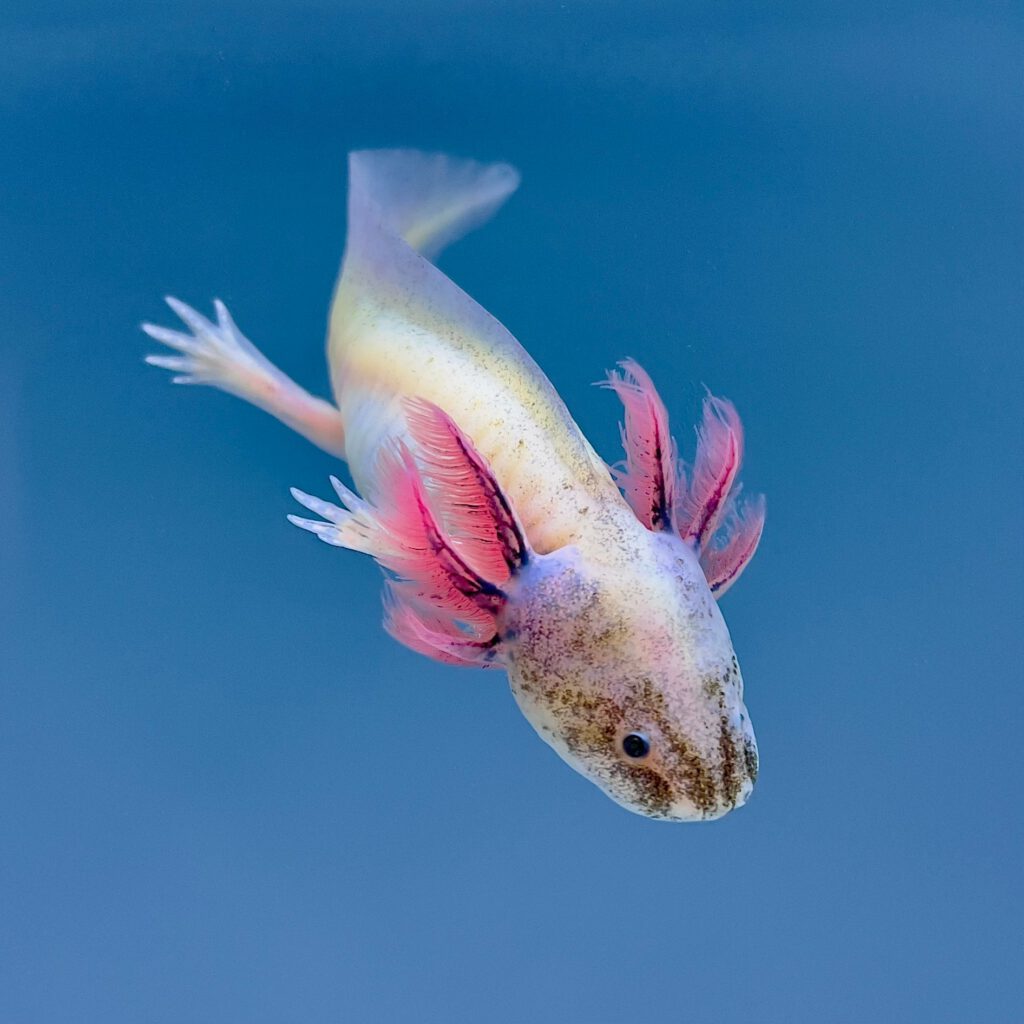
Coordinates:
x,y
506,540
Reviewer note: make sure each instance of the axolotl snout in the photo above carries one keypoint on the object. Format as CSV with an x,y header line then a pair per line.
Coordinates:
x,y
506,541
626,668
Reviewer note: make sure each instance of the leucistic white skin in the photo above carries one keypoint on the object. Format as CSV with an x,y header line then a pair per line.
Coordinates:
x,y
507,542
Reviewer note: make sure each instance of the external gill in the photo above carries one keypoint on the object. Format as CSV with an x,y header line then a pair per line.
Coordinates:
x,y
445,532
707,492
648,477
701,505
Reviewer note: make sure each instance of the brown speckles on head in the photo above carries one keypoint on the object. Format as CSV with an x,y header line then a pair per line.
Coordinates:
x,y
592,726
649,790
594,660
712,688
750,759
696,777
589,723
731,781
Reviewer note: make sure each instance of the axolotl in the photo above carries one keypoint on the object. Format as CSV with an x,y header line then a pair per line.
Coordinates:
x,y
506,541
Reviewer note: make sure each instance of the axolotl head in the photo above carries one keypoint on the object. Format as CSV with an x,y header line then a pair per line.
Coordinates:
x,y
625,667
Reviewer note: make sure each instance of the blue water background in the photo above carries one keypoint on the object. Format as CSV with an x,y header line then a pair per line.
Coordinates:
x,y
226,796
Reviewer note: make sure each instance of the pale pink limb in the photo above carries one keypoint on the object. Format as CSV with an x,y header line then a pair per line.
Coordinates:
x,y
219,354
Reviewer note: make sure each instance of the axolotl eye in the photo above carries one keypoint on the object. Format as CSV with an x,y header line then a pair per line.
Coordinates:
x,y
636,744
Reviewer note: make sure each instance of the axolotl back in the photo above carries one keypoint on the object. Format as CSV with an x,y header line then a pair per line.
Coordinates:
x,y
507,542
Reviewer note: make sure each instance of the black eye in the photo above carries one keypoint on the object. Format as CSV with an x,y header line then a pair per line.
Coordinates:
x,y
636,744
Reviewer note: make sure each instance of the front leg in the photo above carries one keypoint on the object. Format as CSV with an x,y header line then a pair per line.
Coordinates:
x,y
220,355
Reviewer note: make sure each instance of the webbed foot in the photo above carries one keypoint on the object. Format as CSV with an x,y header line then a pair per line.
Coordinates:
x,y
220,355
217,354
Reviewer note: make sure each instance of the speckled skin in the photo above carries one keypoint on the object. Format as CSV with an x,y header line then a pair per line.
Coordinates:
x,y
621,636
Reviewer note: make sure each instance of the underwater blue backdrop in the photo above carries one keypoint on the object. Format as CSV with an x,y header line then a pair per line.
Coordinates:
x,y
226,796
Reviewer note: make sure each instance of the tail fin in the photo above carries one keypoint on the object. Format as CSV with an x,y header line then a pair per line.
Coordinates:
x,y
404,207
427,199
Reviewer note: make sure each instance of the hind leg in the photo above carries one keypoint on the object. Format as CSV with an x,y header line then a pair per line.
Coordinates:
x,y
220,355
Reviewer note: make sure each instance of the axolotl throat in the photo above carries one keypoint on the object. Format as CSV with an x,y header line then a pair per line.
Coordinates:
x,y
506,541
